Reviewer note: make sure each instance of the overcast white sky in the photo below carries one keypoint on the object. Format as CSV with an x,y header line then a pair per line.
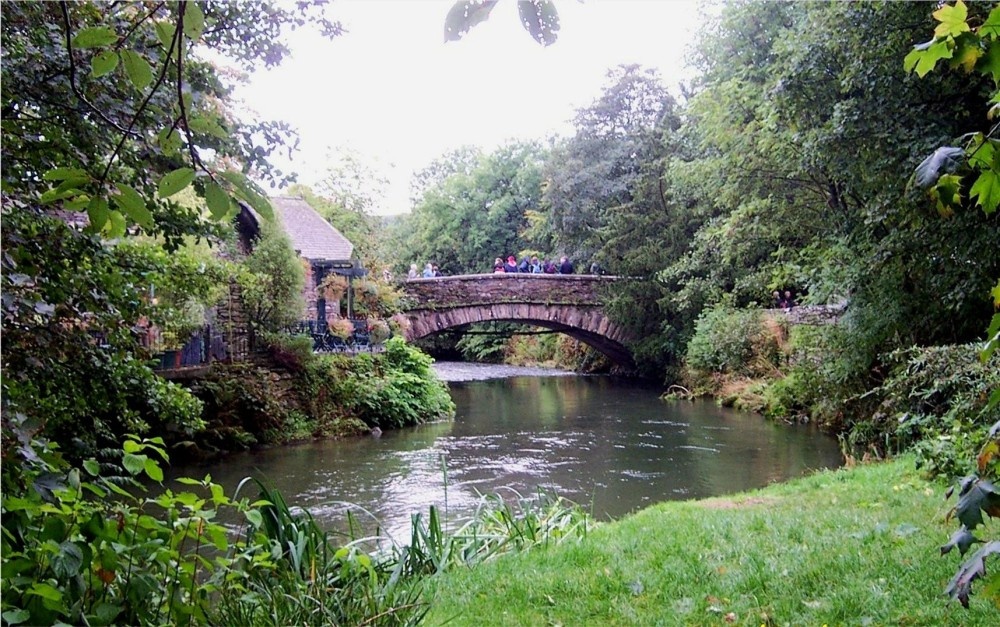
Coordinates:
x,y
394,91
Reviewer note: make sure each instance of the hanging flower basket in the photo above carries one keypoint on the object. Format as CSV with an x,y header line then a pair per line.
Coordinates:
x,y
333,287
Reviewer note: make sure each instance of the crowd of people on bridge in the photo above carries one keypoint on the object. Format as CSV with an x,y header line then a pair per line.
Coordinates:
x,y
533,265
527,265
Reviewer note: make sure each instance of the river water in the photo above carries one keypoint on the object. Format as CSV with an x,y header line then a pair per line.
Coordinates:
x,y
608,444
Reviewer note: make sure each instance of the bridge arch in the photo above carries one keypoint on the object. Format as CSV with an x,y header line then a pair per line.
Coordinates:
x,y
570,304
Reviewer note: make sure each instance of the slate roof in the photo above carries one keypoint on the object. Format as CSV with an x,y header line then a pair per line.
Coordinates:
x,y
312,236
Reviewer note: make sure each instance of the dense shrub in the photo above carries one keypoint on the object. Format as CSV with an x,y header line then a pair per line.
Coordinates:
x,y
732,341
935,403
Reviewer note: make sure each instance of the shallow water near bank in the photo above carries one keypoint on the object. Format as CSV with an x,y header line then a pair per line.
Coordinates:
x,y
609,444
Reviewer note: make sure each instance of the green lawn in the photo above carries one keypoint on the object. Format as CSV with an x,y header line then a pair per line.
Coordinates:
x,y
851,547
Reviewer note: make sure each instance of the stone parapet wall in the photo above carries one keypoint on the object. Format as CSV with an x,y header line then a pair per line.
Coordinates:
x,y
481,289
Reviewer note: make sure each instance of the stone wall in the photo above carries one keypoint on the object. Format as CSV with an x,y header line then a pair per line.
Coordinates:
x,y
474,289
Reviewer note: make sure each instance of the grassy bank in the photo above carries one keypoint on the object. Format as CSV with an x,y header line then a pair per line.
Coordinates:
x,y
851,547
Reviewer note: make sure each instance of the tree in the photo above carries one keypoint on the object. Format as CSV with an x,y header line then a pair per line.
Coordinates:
x,y
271,282
113,109
470,218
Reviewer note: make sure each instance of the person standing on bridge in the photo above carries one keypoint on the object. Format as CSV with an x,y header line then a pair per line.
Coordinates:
x,y
413,273
511,265
498,265
536,266
428,270
565,265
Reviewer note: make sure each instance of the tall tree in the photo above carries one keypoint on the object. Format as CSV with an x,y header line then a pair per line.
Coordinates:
x,y
469,218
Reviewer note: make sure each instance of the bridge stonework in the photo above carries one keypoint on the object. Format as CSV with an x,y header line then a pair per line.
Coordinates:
x,y
570,304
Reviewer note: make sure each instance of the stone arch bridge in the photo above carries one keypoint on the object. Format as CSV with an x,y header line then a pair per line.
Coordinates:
x,y
570,304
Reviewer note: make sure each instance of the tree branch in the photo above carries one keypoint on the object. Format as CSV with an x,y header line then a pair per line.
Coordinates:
x,y
178,34
72,73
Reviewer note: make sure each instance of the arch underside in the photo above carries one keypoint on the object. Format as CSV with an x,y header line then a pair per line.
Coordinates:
x,y
586,324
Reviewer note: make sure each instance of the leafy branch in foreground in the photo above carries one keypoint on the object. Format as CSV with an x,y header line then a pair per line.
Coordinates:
x,y
972,46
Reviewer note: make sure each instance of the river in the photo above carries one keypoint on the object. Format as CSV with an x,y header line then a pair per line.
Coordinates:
x,y
607,443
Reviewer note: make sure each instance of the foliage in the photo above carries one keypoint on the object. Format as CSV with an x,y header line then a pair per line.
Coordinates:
x,y
72,309
333,287
113,110
733,341
341,328
538,17
271,282
78,547
971,43
497,526
473,215
935,403
131,112
379,331
313,580
292,352
487,342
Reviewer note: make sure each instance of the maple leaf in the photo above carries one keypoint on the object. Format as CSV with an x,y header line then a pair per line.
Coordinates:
x,y
960,586
952,20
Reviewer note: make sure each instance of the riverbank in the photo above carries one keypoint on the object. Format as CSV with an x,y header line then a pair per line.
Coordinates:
x,y
852,546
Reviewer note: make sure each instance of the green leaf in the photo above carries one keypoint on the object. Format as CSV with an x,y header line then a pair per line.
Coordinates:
x,y
116,225
194,21
218,200
995,292
188,481
175,181
16,617
991,27
952,20
137,69
165,33
45,591
464,15
246,190
992,336
78,203
99,214
989,63
981,153
987,190
106,613
540,18
207,125
153,470
254,517
62,174
967,52
94,37
68,561
92,467
922,60
132,204
169,141
131,446
948,194
103,63
133,463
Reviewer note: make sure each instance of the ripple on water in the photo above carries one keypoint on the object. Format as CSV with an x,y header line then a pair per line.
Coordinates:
x,y
460,371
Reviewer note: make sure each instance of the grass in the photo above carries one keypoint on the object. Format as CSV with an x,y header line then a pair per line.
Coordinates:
x,y
856,546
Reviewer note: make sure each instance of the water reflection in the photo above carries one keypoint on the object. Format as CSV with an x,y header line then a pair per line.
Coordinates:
x,y
610,444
